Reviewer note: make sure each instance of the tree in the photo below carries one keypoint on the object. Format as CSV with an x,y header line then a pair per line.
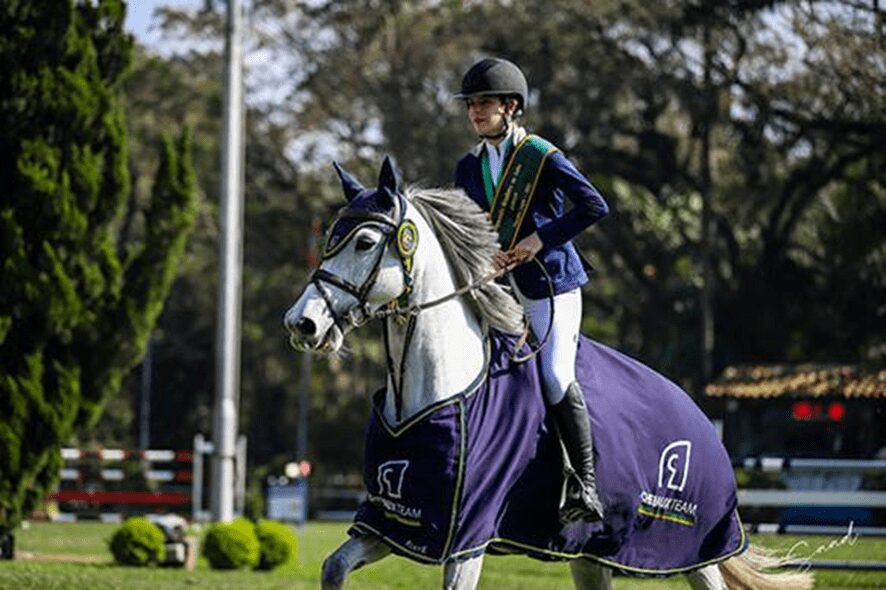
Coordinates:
x,y
77,302
165,93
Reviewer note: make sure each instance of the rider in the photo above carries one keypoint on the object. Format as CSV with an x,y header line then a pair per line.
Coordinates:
x,y
495,93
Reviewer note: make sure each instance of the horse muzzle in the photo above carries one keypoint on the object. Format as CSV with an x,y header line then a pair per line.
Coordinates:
x,y
304,338
310,327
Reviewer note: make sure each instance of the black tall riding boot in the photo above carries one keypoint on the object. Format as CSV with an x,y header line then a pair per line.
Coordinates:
x,y
579,500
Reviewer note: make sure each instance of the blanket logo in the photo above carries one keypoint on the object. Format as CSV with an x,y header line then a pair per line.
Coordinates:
x,y
390,477
673,471
675,460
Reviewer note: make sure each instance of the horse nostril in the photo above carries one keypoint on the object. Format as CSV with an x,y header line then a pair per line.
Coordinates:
x,y
306,327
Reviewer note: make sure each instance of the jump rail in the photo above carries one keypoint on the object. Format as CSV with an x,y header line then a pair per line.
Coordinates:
x,y
779,464
182,480
870,499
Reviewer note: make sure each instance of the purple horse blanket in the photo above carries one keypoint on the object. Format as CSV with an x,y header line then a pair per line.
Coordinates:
x,y
482,471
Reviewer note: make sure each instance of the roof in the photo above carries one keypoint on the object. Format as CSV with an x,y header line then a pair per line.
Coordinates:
x,y
768,381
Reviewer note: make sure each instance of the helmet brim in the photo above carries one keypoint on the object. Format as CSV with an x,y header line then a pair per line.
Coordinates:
x,y
464,95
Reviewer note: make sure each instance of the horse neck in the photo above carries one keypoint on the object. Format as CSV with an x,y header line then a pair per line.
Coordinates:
x,y
445,352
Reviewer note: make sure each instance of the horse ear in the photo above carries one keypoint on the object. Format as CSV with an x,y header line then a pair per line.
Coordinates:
x,y
349,184
388,177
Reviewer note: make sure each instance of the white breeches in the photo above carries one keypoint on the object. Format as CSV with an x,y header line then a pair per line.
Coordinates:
x,y
558,355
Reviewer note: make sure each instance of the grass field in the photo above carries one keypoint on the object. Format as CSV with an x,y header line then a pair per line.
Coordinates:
x,y
316,540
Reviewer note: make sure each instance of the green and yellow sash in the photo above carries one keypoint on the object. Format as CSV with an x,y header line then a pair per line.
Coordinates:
x,y
510,200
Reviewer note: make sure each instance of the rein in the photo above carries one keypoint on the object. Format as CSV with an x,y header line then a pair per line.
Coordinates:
x,y
410,316
393,309
412,311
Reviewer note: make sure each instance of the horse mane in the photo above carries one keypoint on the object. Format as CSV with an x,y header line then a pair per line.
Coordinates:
x,y
469,242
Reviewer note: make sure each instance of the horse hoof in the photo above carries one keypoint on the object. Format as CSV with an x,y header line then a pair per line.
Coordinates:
x,y
334,572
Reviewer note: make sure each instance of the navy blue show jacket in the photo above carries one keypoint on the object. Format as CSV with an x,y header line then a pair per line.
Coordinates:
x,y
548,216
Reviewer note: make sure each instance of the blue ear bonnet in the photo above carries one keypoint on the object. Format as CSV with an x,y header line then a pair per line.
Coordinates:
x,y
371,201
383,207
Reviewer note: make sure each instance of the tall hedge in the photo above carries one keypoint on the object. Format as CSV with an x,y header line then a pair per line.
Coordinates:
x,y
76,305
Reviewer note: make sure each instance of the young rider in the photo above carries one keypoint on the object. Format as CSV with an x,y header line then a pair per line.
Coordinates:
x,y
495,93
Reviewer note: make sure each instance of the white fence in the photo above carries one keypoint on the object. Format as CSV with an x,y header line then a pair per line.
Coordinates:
x,y
850,472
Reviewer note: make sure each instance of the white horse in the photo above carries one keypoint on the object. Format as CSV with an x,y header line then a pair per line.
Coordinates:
x,y
374,262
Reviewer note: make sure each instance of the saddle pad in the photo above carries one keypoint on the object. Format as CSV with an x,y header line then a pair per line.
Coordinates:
x,y
482,471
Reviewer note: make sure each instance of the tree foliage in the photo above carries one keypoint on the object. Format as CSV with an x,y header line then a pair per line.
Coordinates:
x,y
76,302
624,88
790,96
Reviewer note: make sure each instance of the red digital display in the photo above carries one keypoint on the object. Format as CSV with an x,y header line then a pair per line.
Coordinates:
x,y
804,411
837,411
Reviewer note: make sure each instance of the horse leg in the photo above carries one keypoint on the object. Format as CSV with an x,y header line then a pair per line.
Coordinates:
x,y
589,575
463,574
706,578
354,553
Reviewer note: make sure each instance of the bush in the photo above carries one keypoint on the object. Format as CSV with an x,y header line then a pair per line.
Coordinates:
x,y
232,545
277,542
138,542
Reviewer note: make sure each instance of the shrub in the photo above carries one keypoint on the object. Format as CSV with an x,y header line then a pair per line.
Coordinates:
x,y
277,542
138,542
231,545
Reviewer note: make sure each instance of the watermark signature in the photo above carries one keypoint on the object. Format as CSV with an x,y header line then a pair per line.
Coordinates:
x,y
805,563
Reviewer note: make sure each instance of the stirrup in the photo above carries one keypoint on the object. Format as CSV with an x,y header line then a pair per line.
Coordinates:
x,y
577,503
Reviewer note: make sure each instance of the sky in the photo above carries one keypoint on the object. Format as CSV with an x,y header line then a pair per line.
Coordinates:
x,y
139,17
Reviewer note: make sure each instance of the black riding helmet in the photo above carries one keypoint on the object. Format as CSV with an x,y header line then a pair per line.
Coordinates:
x,y
495,77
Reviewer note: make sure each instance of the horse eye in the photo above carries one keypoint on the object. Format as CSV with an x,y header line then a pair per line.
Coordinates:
x,y
364,243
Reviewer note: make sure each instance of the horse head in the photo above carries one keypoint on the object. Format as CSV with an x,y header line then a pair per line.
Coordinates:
x,y
367,261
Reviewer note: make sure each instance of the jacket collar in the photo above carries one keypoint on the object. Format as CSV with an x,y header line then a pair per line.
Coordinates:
x,y
517,135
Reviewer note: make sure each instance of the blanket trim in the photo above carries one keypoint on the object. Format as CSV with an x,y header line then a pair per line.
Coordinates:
x,y
479,380
534,553
459,482
459,400
456,498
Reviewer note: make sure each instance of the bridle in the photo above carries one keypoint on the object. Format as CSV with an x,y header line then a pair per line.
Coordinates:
x,y
407,242
360,312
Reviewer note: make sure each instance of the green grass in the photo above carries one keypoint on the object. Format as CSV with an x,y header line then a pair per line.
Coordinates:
x,y
317,540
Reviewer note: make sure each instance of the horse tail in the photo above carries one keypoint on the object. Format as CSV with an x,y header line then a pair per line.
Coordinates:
x,y
748,572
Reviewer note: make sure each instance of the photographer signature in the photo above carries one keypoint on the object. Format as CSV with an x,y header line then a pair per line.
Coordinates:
x,y
805,563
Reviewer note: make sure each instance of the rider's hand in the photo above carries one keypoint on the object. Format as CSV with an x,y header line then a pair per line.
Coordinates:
x,y
500,260
530,244
520,253
525,249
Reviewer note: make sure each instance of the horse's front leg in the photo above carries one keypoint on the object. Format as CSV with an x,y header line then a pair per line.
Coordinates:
x,y
589,575
463,574
354,553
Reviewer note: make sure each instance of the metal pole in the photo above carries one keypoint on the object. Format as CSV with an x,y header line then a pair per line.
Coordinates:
x,y
301,443
144,414
231,266
240,488
197,479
